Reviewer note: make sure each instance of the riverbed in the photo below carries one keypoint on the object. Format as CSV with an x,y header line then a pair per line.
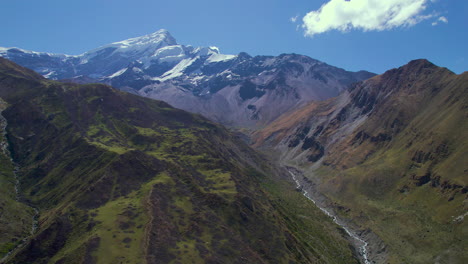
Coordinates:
x,y
358,242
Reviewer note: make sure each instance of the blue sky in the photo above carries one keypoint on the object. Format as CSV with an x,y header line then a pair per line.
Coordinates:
x,y
258,27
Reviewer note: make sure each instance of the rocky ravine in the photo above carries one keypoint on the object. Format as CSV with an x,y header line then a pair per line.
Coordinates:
x,y
391,153
369,247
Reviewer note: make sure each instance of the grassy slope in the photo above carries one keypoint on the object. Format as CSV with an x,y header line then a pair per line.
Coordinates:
x,y
119,178
418,222
409,187
311,226
15,217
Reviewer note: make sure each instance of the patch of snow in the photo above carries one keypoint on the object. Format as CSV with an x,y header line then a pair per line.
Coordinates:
x,y
220,58
3,50
118,73
49,74
206,51
178,70
197,79
170,54
137,70
460,218
216,49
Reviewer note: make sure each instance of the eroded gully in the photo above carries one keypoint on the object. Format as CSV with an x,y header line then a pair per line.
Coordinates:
x,y
6,150
358,241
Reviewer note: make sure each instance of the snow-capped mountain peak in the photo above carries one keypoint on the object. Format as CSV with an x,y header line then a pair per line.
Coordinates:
x,y
158,54
137,48
159,38
234,89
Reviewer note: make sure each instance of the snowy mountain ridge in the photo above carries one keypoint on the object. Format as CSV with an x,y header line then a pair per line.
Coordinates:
x,y
4,52
237,90
159,47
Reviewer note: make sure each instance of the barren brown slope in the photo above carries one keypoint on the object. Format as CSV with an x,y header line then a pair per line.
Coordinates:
x,y
393,155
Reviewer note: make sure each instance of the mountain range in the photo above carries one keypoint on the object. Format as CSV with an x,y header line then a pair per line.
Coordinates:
x,y
236,90
103,174
391,154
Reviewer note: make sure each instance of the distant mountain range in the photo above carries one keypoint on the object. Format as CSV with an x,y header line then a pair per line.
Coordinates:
x,y
237,90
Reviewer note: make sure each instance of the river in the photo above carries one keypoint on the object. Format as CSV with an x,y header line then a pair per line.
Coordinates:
x,y
362,244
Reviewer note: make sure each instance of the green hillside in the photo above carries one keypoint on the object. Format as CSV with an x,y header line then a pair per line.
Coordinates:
x,y
118,178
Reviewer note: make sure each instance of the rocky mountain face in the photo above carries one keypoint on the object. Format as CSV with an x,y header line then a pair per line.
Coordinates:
x,y
390,153
237,90
119,178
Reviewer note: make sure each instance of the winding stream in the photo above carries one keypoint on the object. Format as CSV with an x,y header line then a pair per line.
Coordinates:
x,y
6,150
363,244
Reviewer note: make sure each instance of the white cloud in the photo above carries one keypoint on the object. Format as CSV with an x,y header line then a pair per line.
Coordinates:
x,y
441,19
366,15
294,19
